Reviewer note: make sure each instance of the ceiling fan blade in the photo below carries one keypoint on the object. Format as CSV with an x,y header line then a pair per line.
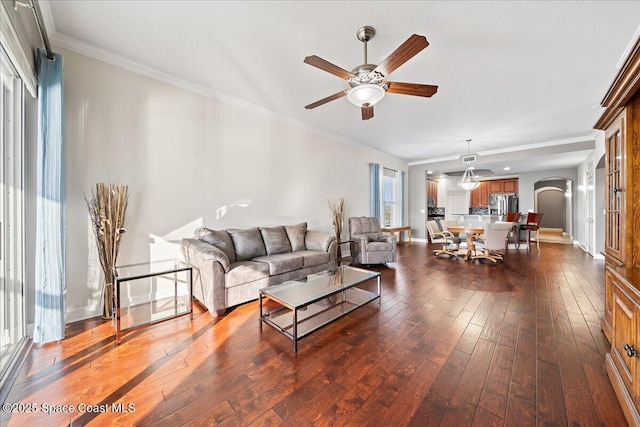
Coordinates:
x,y
367,112
325,100
402,54
411,89
327,66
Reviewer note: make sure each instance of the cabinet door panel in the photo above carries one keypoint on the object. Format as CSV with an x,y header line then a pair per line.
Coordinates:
x,y
608,302
510,185
624,333
495,187
484,194
615,189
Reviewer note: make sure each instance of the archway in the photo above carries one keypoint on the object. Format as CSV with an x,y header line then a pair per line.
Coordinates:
x,y
553,196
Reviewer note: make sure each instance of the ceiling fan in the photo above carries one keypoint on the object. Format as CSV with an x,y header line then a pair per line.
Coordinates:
x,y
367,80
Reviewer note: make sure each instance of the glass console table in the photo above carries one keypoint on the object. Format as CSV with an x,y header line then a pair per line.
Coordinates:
x,y
151,292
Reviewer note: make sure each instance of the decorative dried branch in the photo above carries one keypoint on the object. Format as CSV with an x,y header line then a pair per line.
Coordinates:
x,y
107,209
337,215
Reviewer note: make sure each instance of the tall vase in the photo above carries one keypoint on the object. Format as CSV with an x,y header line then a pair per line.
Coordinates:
x,y
107,312
107,208
337,216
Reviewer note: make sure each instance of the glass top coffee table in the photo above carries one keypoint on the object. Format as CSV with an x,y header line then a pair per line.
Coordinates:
x,y
304,306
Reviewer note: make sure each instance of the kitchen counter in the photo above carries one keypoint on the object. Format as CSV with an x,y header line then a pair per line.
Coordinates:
x,y
475,220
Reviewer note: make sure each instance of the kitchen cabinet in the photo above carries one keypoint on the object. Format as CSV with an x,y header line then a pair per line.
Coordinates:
x,y
510,185
496,186
503,186
480,196
484,194
432,191
620,321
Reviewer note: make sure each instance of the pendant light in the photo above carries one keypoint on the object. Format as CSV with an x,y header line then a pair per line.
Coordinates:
x,y
469,181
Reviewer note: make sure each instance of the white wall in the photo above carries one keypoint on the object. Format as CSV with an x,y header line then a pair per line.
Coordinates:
x,y
190,160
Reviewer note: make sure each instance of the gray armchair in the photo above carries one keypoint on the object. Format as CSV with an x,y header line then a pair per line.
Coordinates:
x,y
369,245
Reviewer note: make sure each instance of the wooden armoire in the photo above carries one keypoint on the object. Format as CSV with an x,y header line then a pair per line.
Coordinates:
x,y
621,320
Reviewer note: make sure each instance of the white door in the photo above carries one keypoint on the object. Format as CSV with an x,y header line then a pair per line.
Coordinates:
x,y
456,204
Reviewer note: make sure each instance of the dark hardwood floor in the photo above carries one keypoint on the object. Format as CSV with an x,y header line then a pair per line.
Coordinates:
x,y
452,343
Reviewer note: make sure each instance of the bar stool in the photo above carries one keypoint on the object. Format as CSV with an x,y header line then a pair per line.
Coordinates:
x,y
532,224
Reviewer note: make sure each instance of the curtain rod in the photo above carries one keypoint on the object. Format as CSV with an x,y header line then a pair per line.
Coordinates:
x,y
37,14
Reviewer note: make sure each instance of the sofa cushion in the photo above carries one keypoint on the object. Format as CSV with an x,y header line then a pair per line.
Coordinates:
x,y
247,243
313,258
296,234
364,225
275,240
379,247
219,239
282,263
245,271
318,241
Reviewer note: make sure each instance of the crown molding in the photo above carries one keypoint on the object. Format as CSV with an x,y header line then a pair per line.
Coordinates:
x,y
78,46
586,137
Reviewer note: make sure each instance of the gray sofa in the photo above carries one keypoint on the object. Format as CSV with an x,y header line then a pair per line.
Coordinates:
x,y
230,266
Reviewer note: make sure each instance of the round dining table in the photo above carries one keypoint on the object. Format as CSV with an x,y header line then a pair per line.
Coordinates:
x,y
471,232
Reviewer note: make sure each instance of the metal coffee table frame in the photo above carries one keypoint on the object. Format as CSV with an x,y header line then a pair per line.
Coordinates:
x,y
316,301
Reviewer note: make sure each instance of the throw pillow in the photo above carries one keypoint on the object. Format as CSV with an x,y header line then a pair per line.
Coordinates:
x,y
275,240
296,234
247,243
218,238
317,241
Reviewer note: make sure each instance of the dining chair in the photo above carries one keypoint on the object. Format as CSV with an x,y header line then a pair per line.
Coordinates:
x,y
444,237
532,225
512,217
494,240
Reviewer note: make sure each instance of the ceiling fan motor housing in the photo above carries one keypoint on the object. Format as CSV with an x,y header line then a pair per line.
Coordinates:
x,y
366,33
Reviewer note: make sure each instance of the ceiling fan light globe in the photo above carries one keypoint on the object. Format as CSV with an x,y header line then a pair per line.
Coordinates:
x,y
365,94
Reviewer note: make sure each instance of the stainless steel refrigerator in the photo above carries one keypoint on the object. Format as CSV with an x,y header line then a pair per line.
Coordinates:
x,y
500,204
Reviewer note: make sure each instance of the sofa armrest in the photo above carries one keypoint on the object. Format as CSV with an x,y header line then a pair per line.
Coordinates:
x,y
360,238
318,241
389,237
196,251
209,269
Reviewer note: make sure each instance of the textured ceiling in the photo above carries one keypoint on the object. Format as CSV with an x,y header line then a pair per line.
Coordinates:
x,y
510,74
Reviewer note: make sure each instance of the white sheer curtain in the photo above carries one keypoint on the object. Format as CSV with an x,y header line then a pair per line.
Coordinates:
x,y
50,206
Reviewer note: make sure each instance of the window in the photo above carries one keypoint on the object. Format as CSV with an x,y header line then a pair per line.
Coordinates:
x,y
12,312
391,198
